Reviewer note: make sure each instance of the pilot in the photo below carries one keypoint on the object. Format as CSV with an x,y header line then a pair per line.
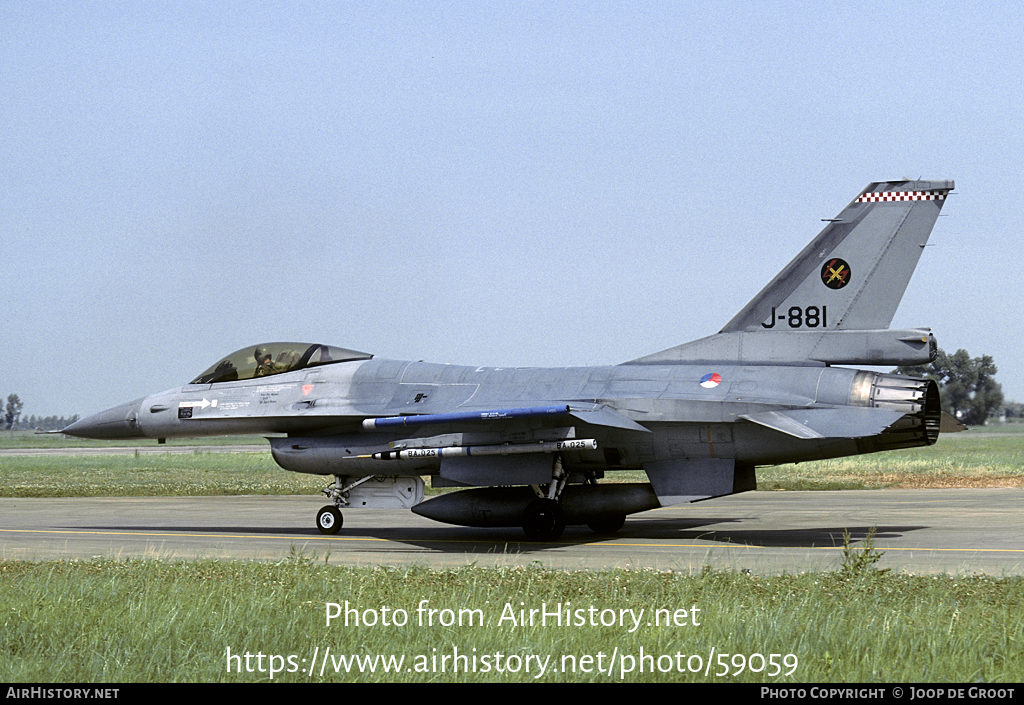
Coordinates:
x,y
265,364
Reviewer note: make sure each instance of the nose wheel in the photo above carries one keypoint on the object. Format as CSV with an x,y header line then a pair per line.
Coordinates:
x,y
329,520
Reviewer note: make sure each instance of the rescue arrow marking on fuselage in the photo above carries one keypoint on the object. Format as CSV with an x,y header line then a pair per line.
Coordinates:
x,y
201,404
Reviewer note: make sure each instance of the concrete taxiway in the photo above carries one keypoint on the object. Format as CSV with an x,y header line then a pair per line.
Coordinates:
x,y
956,531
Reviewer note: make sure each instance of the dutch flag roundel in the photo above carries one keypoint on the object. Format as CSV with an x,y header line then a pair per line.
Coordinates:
x,y
711,380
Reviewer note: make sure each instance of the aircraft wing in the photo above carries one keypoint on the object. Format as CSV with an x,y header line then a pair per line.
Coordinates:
x,y
603,415
595,414
479,447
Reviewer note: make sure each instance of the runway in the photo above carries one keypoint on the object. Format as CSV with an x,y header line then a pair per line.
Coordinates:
x,y
956,531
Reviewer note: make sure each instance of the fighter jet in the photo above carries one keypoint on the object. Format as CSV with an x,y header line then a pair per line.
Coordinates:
x,y
535,448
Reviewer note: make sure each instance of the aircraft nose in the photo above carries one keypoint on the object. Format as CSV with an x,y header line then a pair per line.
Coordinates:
x,y
113,424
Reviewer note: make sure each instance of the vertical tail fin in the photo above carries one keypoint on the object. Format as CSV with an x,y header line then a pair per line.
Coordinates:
x,y
858,266
849,280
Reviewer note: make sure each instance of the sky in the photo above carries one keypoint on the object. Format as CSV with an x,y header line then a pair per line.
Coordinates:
x,y
489,183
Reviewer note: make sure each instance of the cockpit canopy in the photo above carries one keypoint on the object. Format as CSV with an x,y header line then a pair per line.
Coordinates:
x,y
273,359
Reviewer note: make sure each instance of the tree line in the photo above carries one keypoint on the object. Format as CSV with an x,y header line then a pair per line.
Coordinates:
x,y
12,418
967,385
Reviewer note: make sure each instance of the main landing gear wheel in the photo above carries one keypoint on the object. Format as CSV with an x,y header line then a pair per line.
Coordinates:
x,y
329,520
543,520
607,525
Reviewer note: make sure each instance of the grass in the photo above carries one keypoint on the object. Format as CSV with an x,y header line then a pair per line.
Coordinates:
x,y
158,621
187,474
962,460
132,621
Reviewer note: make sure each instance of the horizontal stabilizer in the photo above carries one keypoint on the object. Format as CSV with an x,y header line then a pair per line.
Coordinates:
x,y
912,346
843,422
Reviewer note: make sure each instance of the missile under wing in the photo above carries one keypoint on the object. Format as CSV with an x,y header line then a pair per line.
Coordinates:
x,y
535,448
